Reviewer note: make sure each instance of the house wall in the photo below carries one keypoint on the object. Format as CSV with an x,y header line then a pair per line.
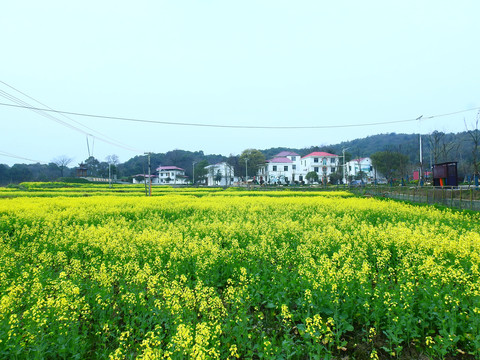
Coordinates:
x,y
280,172
225,170
176,177
299,168
353,167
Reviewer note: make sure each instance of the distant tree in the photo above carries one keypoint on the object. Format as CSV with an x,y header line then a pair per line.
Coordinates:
x,y
218,176
113,161
312,177
102,169
348,156
336,178
253,159
361,175
233,160
200,170
435,143
62,162
20,173
390,164
4,174
93,166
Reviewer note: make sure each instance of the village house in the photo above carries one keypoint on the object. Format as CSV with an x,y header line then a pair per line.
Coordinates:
x,y
322,163
171,175
281,169
287,167
361,166
221,174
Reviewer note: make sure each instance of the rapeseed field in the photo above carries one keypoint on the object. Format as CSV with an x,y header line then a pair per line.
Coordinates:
x,y
227,274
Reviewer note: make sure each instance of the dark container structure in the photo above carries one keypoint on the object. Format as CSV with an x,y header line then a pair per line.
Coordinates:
x,y
445,174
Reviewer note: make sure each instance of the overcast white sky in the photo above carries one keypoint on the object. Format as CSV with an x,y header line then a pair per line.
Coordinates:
x,y
260,63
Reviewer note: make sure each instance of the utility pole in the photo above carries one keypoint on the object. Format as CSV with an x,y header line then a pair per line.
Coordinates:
x,y
149,174
193,178
343,152
226,174
246,171
420,178
110,174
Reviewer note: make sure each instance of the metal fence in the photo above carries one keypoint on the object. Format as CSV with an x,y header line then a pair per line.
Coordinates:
x,y
462,197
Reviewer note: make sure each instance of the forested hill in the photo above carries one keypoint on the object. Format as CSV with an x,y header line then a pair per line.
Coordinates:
x,y
407,144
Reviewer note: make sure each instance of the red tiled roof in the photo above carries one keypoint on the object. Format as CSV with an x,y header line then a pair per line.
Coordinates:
x,y
318,154
280,160
160,168
286,153
145,175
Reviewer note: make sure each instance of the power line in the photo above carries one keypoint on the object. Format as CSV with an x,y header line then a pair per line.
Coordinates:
x,y
3,153
77,122
23,104
238,126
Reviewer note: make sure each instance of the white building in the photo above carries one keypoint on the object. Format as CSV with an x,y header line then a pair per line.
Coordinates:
x,y
220,174
323,163
289,167
353,168
144,178
171,175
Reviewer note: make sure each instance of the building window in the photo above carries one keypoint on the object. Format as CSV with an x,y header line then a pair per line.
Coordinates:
x,y
324,161
332,160
294,158
294,167
315,169
315,160
274,168
285,168
333,169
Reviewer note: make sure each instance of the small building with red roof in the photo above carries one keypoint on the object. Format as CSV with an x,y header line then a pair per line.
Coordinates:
x,y
171,175
279,169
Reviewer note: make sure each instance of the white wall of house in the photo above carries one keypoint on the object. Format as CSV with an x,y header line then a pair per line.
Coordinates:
x,y
171,175
288,166
324,164
353,167
144,178
279,170
220,174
